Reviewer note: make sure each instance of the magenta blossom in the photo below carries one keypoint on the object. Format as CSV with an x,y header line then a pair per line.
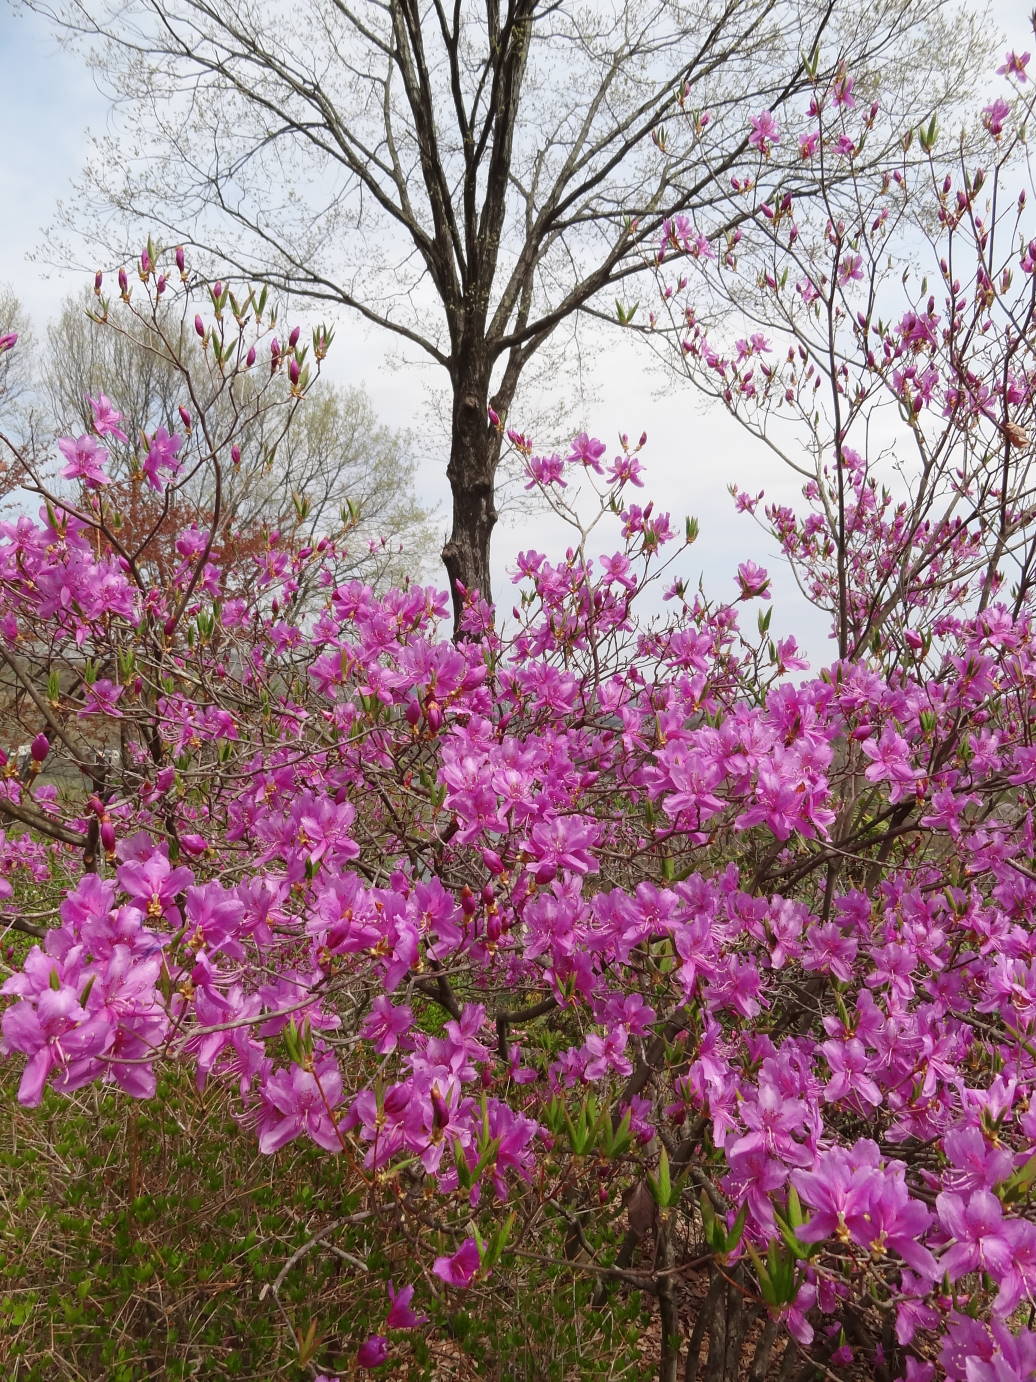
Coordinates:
x,y
386,1024
296,1101
994,116
401,1315
161,457
373,1352
587,451
50,1025
753,582
842,91
460,1269
983,1241
1014,65
106,419
86,460
765,132
850,269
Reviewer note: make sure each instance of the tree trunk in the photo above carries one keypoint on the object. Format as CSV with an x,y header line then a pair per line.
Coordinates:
x,y
474,454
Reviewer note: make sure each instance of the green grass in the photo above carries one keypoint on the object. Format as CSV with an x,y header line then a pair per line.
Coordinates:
x,y
136,1240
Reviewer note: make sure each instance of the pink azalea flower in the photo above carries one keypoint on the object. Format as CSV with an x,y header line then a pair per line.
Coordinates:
x,y
1014,65
101,698
982,1240
842,91
460,1269
162,457
50,1025
765,132
295,1101
106,419
753,582
586,451
994,116
545,470
386,1024
401,1315
373,1352
850,269
86,460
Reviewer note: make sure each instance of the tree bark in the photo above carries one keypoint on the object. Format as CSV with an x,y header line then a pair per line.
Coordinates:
x,y
474,456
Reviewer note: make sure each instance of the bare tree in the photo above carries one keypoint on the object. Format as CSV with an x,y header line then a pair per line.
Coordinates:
x,y
337,468
15,377
470,176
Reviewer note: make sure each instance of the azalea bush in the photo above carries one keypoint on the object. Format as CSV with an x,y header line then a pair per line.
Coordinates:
x,y
618,950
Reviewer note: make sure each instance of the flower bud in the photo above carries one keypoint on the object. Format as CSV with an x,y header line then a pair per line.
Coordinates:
x,y
180,261
294,372
199,327
185,417
108,837
39,748
123,282
493,862
98,280
8,342
293,339
250,358
160,283
235,455
440,1111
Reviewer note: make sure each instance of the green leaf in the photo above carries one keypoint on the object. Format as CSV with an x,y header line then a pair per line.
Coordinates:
x,y
738,1228
492,1252
661,1186
800,1250
795,1216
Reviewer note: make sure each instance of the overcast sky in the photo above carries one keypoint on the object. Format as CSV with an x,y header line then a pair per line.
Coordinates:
x,y
52,102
